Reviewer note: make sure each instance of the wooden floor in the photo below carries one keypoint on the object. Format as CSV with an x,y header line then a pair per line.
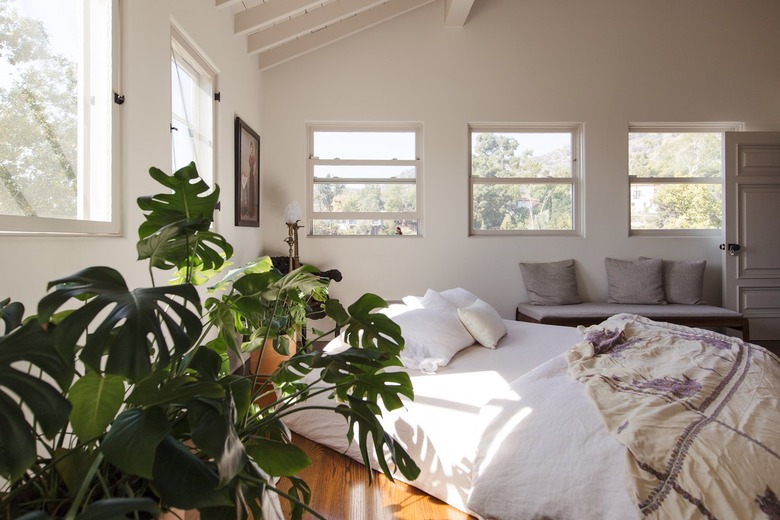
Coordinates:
x,y
341,491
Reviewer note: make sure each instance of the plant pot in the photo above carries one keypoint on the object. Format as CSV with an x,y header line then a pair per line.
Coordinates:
x,y
179,514
267,365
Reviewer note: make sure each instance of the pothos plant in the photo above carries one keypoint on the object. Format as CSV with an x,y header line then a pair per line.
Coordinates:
x,y
119,403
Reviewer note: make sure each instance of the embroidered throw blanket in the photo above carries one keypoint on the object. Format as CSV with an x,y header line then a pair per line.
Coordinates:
x,y
698,413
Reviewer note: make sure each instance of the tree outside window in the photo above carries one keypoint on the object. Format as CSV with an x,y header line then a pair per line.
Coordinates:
x,y
676,177
524,179
365,179
56,116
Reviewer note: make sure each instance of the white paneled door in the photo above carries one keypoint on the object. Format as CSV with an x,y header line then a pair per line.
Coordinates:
x,y
751,250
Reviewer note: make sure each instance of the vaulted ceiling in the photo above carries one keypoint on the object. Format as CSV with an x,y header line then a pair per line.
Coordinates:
x,y
280,30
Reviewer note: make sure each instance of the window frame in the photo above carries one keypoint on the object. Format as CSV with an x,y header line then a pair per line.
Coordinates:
x,y
679,128
577,131
16,225
194,59
383,127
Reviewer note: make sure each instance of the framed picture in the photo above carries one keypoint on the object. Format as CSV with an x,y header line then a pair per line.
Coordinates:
x,y
247,175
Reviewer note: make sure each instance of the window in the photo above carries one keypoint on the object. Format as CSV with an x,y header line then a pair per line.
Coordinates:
x,y
676,177
192,108
525,179
365,180
59,151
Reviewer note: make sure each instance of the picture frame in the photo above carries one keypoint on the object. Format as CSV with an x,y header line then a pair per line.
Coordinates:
x,y
247,182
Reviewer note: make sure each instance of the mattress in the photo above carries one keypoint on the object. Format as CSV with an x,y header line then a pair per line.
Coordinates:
x,y
442,427
600,422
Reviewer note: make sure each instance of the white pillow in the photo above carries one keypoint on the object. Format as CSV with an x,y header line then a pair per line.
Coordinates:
x,y
431,337
336,346
459,297
483,323
435,300
394,309
414,302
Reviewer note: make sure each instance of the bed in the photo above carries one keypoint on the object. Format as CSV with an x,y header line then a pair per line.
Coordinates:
x,y
542,421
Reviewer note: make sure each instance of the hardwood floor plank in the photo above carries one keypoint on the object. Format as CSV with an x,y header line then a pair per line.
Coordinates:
x,y
340,491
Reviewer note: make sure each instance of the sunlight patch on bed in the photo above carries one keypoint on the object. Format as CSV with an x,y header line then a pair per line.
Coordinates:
x,y
472,383
504,432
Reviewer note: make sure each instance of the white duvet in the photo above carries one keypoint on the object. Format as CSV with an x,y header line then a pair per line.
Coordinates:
x,y
457,418
545,453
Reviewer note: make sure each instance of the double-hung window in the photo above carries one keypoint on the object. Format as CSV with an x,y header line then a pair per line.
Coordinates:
x,y
193,82
525,179
365,179
59,117
675,173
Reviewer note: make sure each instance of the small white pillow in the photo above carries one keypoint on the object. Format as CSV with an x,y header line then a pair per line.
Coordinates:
x,y
431,337
483,323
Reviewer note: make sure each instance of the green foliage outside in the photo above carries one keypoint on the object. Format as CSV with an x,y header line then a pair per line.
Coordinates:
x,y
364,198
38,122
679,156
506,202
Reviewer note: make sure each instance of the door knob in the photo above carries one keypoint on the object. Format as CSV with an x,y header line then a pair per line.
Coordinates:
x,y
732,248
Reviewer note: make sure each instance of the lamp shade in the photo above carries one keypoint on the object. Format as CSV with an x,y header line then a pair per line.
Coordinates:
x,y
293,213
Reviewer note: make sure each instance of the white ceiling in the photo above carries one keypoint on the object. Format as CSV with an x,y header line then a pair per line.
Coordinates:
x,y
280,30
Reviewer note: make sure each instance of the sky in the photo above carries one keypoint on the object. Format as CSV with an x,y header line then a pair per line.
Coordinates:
x,y
541,143
59,18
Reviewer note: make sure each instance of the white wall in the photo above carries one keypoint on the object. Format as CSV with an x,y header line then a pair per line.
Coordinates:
x,y
28,263
602,62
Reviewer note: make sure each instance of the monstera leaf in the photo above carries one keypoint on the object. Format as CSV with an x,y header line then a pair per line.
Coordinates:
x,y
362,326
185,202
360,380
29,344
363,420
11,313
122,323
176,232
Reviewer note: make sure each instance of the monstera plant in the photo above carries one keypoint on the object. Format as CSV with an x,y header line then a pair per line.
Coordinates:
x,y
120,403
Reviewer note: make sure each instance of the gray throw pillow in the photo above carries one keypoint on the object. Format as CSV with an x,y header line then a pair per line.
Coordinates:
x,y
550,283
635,281
683,281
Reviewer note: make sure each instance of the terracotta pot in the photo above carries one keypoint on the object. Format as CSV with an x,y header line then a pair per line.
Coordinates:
x,y
178,514
268,364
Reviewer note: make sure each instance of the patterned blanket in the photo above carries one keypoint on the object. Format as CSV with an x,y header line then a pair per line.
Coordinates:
x,y
698,413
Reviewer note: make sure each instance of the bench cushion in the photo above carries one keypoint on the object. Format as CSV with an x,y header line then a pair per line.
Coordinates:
x,y
592,313
597,310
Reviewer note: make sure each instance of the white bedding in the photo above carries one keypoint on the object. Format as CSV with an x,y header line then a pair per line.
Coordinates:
x,y
510,434
546,454
442,427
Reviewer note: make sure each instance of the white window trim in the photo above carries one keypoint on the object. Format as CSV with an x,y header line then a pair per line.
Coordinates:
x,y
205,66
578,134
678,127
40,226
311,161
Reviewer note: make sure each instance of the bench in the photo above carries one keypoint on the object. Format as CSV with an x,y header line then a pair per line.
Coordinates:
x,y
700,316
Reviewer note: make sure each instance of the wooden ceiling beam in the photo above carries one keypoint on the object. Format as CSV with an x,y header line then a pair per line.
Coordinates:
x,y
456,12
226,3
307,23
270,12
338,31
